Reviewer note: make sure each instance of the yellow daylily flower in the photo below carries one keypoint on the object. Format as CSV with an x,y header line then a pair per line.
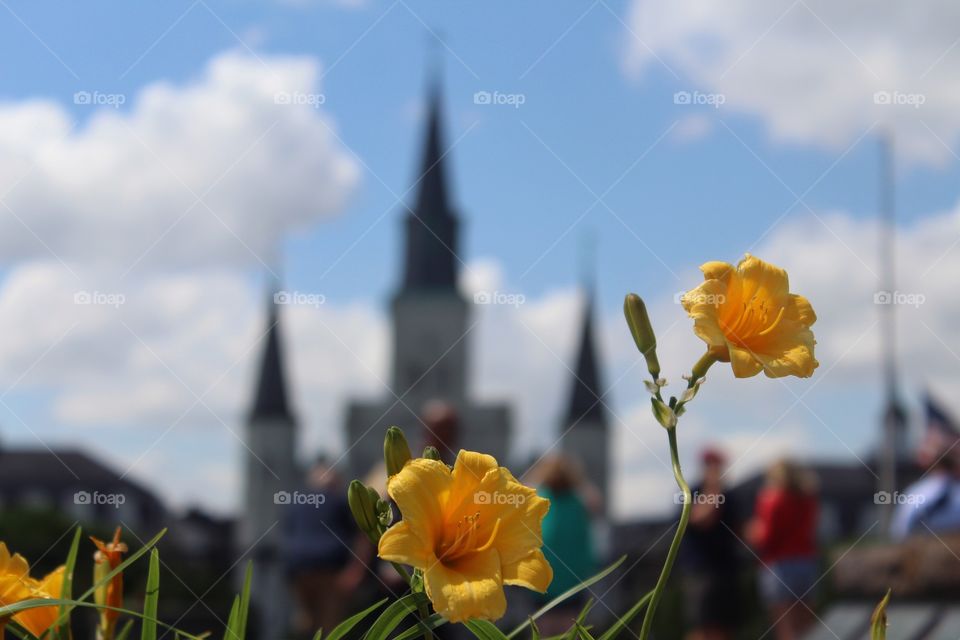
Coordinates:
x,y
470,530
16,585
748,317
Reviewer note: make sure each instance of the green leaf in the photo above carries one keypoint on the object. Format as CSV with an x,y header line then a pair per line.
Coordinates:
x,y
61,630
23,605
627,618
148,630
484,630
568,593
394,615
230,632
431,623
571,633
534,630
344,627
318,635
878,621
582,631
125,631
243,611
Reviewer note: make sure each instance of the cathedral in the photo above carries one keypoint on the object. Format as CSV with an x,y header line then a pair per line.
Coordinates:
x,y
431,322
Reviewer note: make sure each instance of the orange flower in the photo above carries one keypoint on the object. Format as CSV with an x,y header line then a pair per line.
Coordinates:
x,y
470,530
108,557
16,585
748,317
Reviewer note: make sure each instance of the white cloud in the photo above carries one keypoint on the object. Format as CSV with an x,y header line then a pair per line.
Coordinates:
x,y
811,69
211,172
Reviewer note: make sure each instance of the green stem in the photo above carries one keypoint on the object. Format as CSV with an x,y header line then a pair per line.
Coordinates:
x,y
678,536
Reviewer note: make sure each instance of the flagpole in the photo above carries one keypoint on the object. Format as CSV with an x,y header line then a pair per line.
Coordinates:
x,y
894,418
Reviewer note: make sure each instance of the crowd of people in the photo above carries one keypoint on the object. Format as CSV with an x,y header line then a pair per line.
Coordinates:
x,y
769,546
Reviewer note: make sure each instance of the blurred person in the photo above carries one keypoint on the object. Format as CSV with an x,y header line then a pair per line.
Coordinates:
x,y
710,556
783,531
319,537
441,426
567,535
931,505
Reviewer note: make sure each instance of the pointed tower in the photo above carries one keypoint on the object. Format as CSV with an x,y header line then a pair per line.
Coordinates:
x,y
585,425
430,324
429,314
270,474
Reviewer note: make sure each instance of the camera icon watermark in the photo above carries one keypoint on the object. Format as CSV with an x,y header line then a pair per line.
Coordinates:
x,y
499,498
713,499
299,498
114,500
696,297
499,297
299,98
899,298
885,497
299,298
714,100
496,98
899,98
98,99
103,298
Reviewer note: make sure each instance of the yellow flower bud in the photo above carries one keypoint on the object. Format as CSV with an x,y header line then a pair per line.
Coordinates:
x,y
396,451
363,505
639,322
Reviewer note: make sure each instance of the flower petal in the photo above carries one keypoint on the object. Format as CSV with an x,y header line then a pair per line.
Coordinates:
x,y
520,520
400,544
420,490
743,362
469,588
763,279
532,572
39,619
470,471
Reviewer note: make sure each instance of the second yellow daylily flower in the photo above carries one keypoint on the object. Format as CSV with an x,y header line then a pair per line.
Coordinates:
x,y
748,317
16,585
471,531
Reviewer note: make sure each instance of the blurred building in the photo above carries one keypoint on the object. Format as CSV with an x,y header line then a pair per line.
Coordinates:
x,y
71,482
432,322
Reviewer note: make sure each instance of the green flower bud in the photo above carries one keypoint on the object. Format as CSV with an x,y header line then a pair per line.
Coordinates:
x,y
664,414
363,505
431,453
396,451
639,322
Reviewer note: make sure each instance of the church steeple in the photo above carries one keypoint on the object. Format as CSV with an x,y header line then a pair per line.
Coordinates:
x,y
431,240
585,405
270,402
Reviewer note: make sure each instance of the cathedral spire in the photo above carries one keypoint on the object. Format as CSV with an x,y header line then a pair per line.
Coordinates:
x,y
430,261
270,402
585,397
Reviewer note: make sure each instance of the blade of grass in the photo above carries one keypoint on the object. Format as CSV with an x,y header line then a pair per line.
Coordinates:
x,y
244,609
566,594
626,618
484,630
125,631
61,631
344,627
393,615
148,630
431,623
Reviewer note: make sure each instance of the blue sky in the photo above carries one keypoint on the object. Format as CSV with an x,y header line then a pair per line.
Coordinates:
x,y
680,184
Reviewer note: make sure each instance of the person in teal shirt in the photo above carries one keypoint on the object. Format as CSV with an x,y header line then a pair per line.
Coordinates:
x,y
567,532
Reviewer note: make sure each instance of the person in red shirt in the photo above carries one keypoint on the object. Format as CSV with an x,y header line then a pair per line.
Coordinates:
x,y
783,533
